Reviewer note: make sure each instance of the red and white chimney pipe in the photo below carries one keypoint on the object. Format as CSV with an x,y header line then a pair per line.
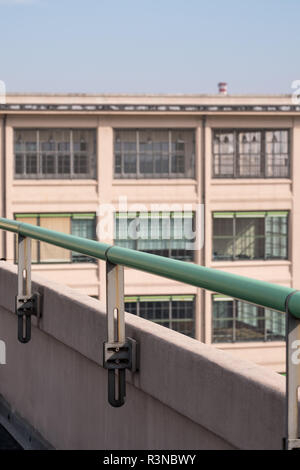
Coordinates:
x,y
222,88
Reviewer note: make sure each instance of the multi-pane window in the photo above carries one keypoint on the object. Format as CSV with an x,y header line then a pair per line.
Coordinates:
x,y
167,234
237,321
250,235
175,312
55,153
154,153
251,154
81,225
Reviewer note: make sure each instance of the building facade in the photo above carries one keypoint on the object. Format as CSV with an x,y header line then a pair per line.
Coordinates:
x,y
63,157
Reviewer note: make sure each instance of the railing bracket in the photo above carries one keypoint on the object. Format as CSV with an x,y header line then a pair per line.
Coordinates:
x,y
292,440
26,308
27,303
119,353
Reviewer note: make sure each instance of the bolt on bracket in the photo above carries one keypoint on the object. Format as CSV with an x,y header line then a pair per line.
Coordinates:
x,y
27,303
119,353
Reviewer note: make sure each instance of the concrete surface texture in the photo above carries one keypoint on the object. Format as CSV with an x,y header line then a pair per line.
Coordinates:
x,y
187,395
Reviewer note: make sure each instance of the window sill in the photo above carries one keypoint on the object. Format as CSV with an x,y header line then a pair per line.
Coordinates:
x,y
54,182
250,345
238,263
64,266
155,182
249,181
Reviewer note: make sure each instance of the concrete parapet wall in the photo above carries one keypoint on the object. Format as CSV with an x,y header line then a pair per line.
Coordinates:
x,y
186,396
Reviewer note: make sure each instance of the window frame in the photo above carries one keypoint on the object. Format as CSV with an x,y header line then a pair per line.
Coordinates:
x,y
38,216
264,237
138,174
263,153
267,338
142,215
39,175
167,299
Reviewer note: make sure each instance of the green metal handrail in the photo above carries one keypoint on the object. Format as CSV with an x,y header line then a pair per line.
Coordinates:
x,y
244,288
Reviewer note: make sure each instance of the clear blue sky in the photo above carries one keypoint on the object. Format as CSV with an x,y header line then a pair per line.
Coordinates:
x,y
149,46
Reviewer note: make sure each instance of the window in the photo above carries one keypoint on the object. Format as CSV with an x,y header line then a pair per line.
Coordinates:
x,y
55,153
167,234
250,235
81,225
175,312
237,321
251,154
151,153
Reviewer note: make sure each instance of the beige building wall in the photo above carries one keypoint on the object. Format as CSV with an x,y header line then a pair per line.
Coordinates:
x,y
33,196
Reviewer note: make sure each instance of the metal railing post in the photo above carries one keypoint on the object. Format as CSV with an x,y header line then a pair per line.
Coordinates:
x,y
27,304
119,353
292,440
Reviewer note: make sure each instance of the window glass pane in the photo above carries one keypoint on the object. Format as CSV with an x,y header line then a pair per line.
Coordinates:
x,y
48,145
84,228
64,164
129,159
275,325
276,237
222,322
125,152
84,141
118,162
175,314
155,311
250,322
223,239
277,154
249,239
131,307
25,145
251,154
48,164
123,233
154,153
249,163
262,236
223,227
163,235
25,140
236,321
81,164
49,153
183,153
19,164
183,317
51,253
47,140
223,154
84,145
31,164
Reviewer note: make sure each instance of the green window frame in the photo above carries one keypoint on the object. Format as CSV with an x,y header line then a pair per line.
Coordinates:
x,y
236,321
168,234
250,235
78,224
